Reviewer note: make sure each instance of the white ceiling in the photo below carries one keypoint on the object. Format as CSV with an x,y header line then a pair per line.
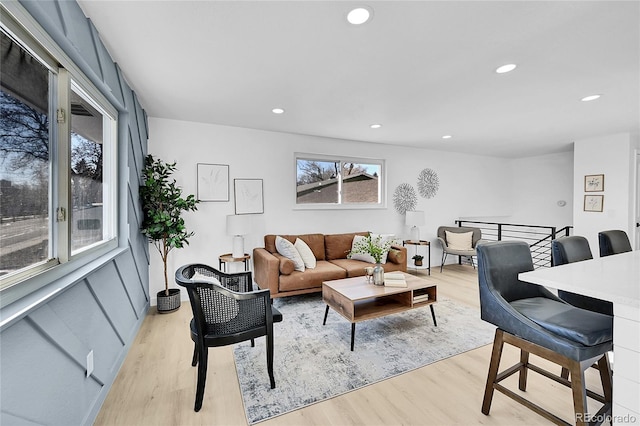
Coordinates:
x,y
422,69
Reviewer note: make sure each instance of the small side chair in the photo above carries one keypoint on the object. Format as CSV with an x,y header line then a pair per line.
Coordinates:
x,y
226,310
447,249
613,242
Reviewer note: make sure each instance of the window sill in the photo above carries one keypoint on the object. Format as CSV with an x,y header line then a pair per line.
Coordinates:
x,y
17,301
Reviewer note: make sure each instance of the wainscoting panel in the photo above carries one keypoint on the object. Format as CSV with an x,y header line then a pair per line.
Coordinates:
x,y
44,353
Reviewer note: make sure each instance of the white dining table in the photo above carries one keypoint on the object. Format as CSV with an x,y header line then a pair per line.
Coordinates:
x,y
614,278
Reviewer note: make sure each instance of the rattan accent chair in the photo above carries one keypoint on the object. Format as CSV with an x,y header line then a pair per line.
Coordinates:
x,y
226,310
613,242
533,319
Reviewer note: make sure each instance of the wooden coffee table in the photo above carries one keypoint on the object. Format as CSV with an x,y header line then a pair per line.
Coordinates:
x,y
357,300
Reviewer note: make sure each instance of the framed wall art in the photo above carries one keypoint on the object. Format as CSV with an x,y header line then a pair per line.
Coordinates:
x,y
593,203
213,182
593,183
248,196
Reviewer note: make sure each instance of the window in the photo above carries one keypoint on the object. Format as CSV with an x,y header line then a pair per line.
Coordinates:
x,y
338,182
57,168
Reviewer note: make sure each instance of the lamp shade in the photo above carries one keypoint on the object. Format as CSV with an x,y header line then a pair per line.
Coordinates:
x,y
238,224
414,218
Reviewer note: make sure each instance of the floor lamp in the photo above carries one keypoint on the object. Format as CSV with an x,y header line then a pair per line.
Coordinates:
x,y
238,226
414,219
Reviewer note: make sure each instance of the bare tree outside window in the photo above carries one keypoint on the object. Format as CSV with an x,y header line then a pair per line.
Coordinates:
x,y
24,159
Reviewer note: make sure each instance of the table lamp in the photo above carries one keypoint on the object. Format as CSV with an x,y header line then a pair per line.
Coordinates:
x,y
414,219
238,226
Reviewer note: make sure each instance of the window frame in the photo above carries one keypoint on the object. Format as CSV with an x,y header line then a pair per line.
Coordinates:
x,y
22,27
382,183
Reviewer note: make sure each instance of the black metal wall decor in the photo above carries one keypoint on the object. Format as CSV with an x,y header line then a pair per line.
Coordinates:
x,y
404,198
428,183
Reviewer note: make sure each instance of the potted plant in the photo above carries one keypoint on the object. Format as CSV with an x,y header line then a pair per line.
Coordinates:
x,y
376,247
163,225
417,259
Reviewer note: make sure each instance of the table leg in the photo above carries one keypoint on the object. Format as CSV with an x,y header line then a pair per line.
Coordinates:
x,y
433,315
326,312
353,334
429,258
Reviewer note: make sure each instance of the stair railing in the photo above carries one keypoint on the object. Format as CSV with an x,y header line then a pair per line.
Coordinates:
x,y
538,237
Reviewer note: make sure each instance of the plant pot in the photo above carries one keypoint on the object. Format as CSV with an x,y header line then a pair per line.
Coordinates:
x,y
168,303
417,262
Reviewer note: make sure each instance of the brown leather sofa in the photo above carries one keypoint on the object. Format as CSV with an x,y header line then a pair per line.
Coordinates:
x,y
276,272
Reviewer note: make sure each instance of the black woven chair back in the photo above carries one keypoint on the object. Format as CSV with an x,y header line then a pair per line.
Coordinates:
x,y
223,313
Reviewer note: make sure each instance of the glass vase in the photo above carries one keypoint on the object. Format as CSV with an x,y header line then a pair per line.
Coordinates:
x,y
378,274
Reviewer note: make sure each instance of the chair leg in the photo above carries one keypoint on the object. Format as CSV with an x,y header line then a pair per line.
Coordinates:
x,y
253,343
202,377
444,257
270,359
605,377
524,360
194,361
579,393
496,353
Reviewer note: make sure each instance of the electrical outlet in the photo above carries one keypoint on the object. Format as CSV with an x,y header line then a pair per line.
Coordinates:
x,y
90,363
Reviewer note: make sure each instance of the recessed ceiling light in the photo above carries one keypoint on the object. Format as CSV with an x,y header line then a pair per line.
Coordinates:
x,y
590,98
359,15
446,137
376,126
277,111
506,68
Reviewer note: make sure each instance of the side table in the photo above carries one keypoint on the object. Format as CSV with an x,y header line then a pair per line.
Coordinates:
x,y
417,244
223,259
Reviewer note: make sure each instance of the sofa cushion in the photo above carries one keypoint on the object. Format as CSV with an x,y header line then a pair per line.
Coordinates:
x,y
306,254
314,241
311,278
288,250
286,265
355,268
337,246
397,256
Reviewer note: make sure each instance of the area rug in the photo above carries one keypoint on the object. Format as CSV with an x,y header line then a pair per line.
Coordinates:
x,y
313,362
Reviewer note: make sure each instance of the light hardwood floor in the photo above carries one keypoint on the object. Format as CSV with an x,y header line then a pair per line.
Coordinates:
x,y
156,384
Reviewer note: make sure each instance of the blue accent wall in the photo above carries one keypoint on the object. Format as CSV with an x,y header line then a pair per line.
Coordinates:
x,y
100,306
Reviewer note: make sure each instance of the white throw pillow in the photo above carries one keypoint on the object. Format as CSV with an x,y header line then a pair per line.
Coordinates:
x,y
288,250
360,256
459,240
306,254
205,278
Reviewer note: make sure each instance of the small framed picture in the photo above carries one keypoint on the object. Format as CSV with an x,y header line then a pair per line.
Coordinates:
x,y
213,182
248,196
593,203
593,183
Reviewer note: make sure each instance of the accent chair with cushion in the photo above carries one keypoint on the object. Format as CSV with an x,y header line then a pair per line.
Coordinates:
x,y
226,310
458,240
533,319
613,242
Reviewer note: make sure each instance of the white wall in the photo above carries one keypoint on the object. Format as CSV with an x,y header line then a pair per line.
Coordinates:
x,y
470,186
613,156
539,183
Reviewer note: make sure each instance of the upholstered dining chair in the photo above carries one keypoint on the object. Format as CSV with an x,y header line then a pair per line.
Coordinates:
x,y
226,310
461,247
533,319
571,249
614,241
